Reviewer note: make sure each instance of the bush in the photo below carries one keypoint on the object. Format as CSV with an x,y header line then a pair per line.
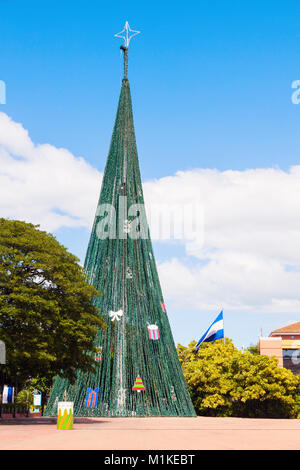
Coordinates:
x,y
25,398
223,381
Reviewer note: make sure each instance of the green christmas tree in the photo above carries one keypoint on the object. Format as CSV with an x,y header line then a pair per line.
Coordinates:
x,y
138,342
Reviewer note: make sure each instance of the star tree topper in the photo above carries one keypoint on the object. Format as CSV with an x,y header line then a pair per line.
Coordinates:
x,y
126,34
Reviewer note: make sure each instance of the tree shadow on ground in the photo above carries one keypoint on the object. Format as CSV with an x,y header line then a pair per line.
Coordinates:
x,y
44,420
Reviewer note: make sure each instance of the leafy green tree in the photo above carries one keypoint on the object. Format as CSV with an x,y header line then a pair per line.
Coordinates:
x,y
253,349
223,381
47,316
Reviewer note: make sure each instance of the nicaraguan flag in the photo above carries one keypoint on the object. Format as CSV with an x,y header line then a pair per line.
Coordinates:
x,y
215,331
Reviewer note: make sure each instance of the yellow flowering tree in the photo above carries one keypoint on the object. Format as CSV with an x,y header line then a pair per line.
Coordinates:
x,y
224,381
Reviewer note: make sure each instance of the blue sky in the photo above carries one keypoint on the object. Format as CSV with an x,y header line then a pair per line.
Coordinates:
x,y
211,81
211,88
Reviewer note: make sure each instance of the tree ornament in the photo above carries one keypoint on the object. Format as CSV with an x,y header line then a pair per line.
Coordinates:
x,y
91,397
153,332
163,307
173,393
138,385
98,354
116,315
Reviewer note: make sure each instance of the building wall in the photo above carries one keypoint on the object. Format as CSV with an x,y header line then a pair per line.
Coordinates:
x,y
286,337
285,348
290,351
271,347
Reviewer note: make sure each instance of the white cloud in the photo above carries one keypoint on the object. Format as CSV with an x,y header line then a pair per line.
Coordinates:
x,y
43,184
250,259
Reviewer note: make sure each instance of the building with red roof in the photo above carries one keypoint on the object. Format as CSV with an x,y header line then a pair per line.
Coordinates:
x,y
284,343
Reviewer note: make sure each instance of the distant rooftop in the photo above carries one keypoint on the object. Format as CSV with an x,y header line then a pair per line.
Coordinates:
x,y
293,328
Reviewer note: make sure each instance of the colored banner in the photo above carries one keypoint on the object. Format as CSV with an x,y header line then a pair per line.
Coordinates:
x,y
8,394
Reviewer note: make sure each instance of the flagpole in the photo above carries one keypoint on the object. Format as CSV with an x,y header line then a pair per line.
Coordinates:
x,y
223,327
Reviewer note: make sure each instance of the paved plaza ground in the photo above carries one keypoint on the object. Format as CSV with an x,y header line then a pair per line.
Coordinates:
x,y
151,434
